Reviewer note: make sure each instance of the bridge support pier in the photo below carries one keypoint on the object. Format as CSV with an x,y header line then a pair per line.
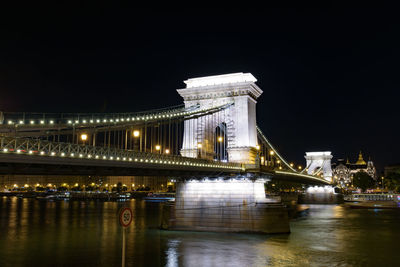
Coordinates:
x,y
321,195
225,205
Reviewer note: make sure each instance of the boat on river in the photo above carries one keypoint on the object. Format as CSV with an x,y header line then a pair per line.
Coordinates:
x,y
160,197
373,201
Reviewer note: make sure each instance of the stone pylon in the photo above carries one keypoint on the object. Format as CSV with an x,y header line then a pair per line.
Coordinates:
x,y
238,120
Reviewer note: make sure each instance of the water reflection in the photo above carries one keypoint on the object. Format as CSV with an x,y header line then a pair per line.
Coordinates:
x,y
41,233
172,253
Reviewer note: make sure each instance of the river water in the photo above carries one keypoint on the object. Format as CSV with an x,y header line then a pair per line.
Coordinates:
x,y
79,233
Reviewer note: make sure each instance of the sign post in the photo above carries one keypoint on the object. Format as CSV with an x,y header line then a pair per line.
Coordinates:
x,y
125,219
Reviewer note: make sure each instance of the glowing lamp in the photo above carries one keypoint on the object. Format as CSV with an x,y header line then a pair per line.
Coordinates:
x,y
84,137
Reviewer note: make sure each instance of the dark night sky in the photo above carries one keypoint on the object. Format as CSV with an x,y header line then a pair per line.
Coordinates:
x,y
330,77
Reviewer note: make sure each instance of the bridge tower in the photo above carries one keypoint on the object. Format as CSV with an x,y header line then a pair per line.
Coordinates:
x,y
319,162
235,125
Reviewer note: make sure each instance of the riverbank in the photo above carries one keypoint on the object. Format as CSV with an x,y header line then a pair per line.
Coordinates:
x,y
77,195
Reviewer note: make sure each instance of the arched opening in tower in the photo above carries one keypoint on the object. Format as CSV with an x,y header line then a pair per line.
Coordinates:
x,y
220,143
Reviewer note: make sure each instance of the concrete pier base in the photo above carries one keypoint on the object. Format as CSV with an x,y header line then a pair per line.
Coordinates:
x,y
320,195
225,206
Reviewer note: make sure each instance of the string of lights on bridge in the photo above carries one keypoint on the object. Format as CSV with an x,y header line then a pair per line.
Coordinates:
x,y
147,158
172,114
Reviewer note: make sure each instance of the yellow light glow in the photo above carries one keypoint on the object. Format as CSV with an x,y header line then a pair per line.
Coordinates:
x,y
106,185
257,147
76,184
92,184
299,167
199,145
167,151
26,185
49,185
84,137
136,133
158,147
291,164
133,185
278,161
271,152
220,139
15,185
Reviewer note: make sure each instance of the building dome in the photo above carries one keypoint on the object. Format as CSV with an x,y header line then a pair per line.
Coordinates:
x,y
360,160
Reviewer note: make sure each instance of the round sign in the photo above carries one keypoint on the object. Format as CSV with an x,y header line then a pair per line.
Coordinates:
x,y
125,217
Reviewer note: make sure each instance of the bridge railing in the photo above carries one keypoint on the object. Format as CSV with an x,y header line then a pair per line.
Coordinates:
x,y
37,147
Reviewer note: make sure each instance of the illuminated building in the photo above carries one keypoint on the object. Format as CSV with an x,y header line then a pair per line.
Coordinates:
x,y
343,172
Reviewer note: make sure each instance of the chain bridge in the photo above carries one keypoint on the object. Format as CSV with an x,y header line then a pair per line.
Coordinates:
x,y
214,132
211,144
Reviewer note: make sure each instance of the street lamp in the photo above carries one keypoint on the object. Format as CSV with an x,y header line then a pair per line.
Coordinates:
x,y
136,134
220,139
271,153
84,137
158,147
167,151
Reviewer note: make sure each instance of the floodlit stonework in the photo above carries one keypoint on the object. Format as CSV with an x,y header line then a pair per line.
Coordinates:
x,y
240,91
319,163
225,205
